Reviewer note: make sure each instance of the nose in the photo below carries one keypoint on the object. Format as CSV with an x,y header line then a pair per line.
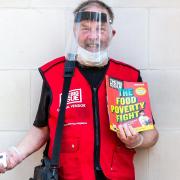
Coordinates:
x,y
93,34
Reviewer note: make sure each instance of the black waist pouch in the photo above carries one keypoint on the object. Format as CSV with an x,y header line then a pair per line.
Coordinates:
x,y
45,171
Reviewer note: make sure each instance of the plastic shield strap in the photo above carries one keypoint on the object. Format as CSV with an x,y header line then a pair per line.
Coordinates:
x,y
90,38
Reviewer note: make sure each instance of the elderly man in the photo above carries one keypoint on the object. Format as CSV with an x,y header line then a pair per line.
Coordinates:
x,y
89,149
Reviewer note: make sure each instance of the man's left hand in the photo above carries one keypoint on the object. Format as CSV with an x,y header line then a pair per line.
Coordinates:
x,y
128,135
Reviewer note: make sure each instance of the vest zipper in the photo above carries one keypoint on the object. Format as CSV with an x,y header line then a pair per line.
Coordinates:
x,y
96,130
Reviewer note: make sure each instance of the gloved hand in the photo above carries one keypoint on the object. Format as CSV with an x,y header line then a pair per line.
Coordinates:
x,y
13,158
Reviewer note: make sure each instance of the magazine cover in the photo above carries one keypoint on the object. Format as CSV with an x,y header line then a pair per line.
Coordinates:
x,y
128,102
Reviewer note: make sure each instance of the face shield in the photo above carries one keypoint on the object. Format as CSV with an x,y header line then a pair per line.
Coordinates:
x,y
91,37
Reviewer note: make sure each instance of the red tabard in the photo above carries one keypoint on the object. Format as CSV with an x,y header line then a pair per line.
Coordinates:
x,y
77,148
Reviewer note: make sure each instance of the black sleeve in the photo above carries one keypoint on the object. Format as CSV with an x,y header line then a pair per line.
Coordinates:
x,y
41,119
140,80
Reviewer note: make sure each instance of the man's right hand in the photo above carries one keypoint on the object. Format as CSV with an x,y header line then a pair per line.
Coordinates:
x,y
27,146
13,158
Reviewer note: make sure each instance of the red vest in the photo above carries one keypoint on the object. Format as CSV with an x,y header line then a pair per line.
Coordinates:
x,y
77,149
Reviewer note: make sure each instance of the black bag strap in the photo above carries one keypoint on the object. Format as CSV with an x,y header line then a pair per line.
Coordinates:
x,y
68,73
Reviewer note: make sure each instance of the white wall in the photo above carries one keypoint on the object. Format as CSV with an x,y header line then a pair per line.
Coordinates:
x,y
33,32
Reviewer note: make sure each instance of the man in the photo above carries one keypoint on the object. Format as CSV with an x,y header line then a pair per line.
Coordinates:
x,y
89,149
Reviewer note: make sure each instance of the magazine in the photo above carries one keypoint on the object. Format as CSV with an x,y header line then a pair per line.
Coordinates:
x,y
128,102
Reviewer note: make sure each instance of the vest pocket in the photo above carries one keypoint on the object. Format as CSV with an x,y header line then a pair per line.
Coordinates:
x,y
70,145
122,164
70,159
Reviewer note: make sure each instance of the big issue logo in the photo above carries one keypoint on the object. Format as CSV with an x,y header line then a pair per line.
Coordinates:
x,y
74,99
74,96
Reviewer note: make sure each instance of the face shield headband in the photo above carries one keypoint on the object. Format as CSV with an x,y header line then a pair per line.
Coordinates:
x,y
91,16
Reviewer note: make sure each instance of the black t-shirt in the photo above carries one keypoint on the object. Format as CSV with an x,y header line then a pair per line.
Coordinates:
x,y
94,76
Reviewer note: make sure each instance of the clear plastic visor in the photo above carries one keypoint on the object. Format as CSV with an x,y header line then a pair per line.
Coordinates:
x,y
92,32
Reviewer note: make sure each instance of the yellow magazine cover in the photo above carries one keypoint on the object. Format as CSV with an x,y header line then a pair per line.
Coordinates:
x,y
128,102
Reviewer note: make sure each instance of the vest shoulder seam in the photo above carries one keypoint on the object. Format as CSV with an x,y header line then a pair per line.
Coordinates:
x,y
46,67
124,64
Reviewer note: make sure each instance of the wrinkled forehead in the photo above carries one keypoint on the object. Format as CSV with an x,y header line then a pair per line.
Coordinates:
x,y
92,24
